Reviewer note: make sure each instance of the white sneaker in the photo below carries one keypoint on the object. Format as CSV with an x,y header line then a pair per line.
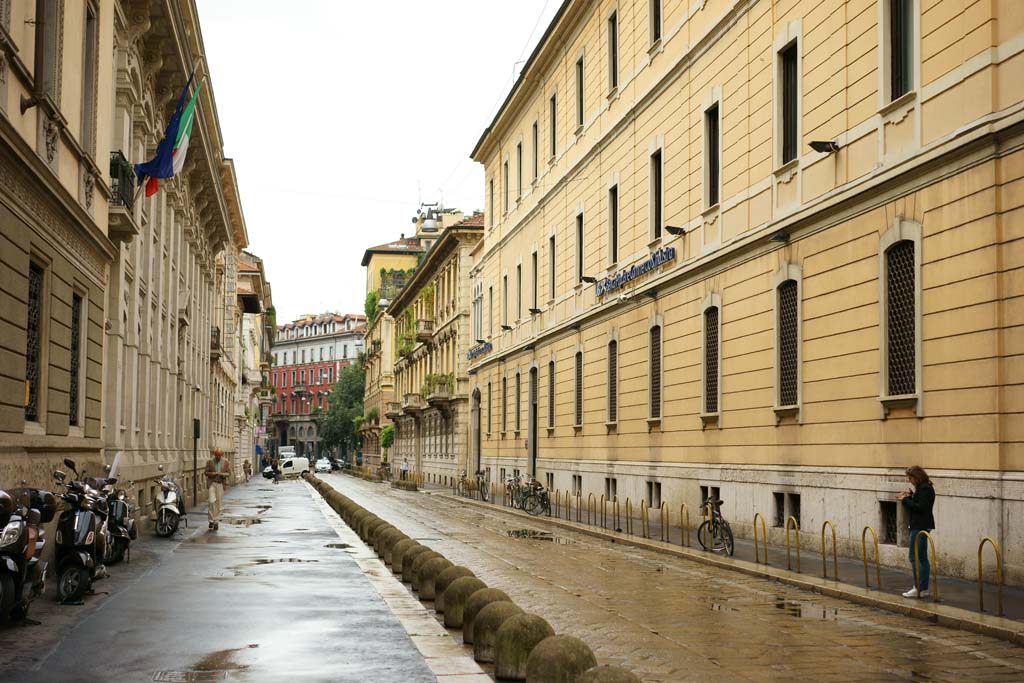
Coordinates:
x,y
912,593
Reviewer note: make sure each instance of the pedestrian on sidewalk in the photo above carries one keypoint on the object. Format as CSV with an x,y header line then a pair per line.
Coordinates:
x,y
247,469
919,503
275,467
405,468
218,472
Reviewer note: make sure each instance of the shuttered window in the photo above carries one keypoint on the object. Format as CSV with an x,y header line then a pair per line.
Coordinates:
x,y
712,171
901,323
490,423
656,371
518,402
901,48
787,324
504,404
74,395
551,394
790,93
613,381
33,342
578,417
711,360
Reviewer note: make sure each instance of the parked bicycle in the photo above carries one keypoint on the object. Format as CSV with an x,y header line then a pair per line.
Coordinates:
x,y
483,485
714,533
528,494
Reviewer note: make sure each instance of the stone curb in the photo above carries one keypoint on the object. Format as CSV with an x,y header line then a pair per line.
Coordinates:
x,y
943,615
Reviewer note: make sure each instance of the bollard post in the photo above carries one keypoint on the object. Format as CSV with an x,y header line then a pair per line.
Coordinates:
x,y
796,527
764,540
999,577
835,559
917,565
666,534
864,554
684,528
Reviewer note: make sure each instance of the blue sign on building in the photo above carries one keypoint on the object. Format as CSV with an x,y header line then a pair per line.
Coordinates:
x,y
627,275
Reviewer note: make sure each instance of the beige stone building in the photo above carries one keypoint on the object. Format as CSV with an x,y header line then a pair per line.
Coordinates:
x,y
432,339
56,238
255,392
764,249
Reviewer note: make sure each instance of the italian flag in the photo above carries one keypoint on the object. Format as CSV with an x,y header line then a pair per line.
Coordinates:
x,y
181,144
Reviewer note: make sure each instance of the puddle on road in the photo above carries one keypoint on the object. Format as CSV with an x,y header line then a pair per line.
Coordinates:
x,y
340,546
244,521
804,609
534,535
281,559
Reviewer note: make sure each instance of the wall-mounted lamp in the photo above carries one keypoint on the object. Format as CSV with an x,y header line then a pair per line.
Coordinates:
x,y
675,230
780,237
652,293
588,279
507,328
480,341
825,146
535,311
28,102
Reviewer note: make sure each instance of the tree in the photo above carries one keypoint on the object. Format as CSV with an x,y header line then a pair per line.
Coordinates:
x,y
387,437
344,405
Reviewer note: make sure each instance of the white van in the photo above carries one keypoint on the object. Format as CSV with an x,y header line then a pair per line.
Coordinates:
x,y
293,465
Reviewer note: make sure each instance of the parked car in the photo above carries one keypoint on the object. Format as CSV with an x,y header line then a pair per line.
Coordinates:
x,y
293,466
323,465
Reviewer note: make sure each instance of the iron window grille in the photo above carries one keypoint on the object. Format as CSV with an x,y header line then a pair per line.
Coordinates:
x,y
788,366
551,394
33,342
518,404
122,181
76,356
656,371
780,509
613,381
711,360
890,527
901,323
579,390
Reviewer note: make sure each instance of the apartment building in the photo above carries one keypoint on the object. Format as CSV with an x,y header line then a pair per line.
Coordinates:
x,y
765,250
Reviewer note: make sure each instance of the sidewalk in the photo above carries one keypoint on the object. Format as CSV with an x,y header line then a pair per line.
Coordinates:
x,y
274,595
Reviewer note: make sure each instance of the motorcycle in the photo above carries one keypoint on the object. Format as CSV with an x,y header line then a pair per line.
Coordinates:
x,y
81,538
22,570
119,524
170,510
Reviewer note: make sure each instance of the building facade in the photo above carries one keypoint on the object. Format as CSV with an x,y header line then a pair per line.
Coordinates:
x,y
308,354
432,339
56,244
766,251
255,391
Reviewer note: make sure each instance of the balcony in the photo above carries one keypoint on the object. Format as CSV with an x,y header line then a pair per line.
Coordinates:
x,y
252,377
393,410
266,395
413,404
215,349
300,389
121,220
440,396
424,330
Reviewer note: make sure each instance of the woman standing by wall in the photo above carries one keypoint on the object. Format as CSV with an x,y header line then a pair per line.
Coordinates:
x,y
919,503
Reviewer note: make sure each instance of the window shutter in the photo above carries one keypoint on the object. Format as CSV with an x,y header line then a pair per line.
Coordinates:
x,y
579,388
613,381
551,394
788,370
656,371
902,319
711,360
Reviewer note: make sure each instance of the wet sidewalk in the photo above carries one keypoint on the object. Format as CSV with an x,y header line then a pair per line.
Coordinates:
x,y
274,595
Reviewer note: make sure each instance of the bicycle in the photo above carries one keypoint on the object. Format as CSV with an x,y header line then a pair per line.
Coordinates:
x,y
536,500
462,484
384,472
483,486
715,534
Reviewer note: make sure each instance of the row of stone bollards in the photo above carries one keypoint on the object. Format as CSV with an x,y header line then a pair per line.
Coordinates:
x,y
522,647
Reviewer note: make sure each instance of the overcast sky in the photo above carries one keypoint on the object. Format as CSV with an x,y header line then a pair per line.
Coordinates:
x,y
341,116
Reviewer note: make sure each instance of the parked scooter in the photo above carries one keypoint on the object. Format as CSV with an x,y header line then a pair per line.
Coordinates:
x,y
170,509
22,570
119,523
81,538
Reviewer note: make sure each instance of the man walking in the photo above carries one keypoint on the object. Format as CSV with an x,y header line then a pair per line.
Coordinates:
x,y
218,471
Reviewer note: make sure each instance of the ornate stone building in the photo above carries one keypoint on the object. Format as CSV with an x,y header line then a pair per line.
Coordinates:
x,y
255,392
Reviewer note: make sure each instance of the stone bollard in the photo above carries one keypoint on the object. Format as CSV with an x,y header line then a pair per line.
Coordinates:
x,y
393,557
389,542
485,626
413,577
443,580
607,674
381,536
514,641
477,601
355,519
455,597
428,575
559,659
407,558
370,525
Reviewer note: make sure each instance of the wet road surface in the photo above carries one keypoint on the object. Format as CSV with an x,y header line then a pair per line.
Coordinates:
x,y
274,595
669,619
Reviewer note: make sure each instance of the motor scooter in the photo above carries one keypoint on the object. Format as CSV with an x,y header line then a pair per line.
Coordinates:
x,y
22,570
170,510
80,540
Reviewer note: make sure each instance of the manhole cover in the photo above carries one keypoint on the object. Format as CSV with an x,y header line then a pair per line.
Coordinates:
x,y
190,676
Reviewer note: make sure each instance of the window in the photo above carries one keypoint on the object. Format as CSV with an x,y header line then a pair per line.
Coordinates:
x,y
655,14
579,248
712,159
551,266
90,72
553,119
577,484
74,392
519,291
504,404
711,361
655,379
536,149
790,104
613,51
490,195
794,506
890,525
34,343
519,394
901,47
611,488
654,494
504,190
519,170
490,311
788,369
901,338
657,196
490,423
579,93
578,417
504,299
550,477
780,509
551,394
613,381
533,299
613,224
49,29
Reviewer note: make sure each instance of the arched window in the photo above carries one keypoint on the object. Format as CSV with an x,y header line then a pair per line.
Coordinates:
x,y
711,370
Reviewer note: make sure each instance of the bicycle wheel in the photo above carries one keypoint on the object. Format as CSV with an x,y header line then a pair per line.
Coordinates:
x,y
703,533
485,491
725,532
532,504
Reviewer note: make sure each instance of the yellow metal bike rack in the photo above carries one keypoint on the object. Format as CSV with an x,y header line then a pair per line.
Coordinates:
x,y
645,519
684,528
666,532
591,499
629,517
796,527
579,505
864,554
917,565
764,539
616,516
999,576
568,505
835,558
604,512
558,500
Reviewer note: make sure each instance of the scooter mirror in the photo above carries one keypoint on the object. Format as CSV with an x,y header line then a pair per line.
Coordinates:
x,y
106,469
59,476
70,464
160,467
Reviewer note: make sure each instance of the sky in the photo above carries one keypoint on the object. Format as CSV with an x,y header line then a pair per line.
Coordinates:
x,y
341,116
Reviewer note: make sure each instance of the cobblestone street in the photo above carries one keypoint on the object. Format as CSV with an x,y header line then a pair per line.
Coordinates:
x,y
668,619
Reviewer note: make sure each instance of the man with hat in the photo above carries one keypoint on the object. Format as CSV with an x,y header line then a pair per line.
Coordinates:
x,y
218,472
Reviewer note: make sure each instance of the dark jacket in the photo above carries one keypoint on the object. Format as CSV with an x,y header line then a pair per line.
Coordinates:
x,y
920,506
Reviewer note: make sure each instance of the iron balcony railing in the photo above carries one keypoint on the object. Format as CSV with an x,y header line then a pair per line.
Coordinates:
x,y
122,181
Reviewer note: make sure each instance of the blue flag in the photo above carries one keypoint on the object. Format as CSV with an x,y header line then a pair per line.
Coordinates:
x,y
162,165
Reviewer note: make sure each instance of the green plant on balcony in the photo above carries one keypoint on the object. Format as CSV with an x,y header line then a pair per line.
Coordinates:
x,y
370,307
387,436
427,294
373,415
